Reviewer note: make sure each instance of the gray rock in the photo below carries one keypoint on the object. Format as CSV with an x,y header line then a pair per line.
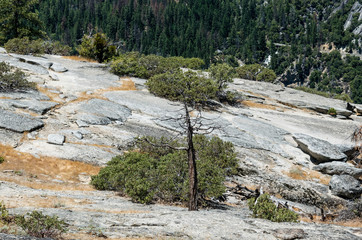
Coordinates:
x,y
345,186
289,233
39,107
339,168
320,150
18,122
81,123
106,109
56,67
348,149
324,110
78,134
90,119
4,236
2,50
56,139
38,61
53,76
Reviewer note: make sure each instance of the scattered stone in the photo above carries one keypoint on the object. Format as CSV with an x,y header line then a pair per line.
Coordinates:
x,y
324,110
320,150
32,135
345,186
58,68
339,168
81,123
18,122
78,134
289,233
56,139
53,76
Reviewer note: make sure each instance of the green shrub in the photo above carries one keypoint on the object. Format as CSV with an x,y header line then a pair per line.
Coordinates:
x,y
56,48
13,79
265,208
249,71
4,217
97,47
25,46
2,159
146,66
35,47
266,75
161,173
332,112
42,226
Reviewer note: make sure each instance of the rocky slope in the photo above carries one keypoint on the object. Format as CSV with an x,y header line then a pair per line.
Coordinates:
x,y
55,138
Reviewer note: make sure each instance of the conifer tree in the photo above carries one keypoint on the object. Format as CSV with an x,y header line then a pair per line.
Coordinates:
x,y
17,20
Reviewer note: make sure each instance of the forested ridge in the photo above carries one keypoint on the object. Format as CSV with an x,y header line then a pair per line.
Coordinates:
x,y
284,35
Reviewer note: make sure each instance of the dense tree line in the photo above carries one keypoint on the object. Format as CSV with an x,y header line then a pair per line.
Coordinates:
x,y
246,29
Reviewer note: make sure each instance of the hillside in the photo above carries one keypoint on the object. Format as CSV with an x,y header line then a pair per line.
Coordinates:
x,y
54,138
289,36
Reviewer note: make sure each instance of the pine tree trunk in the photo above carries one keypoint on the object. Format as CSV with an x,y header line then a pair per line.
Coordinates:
x,y
192,164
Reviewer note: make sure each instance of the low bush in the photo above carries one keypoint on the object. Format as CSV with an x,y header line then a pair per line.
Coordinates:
x,y
2,159
37,224
161,173
146,66
332,112
263,207
25,46
97,47
36,47
13,79
256,72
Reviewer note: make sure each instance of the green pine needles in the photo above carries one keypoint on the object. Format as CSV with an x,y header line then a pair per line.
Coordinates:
x,y
263,207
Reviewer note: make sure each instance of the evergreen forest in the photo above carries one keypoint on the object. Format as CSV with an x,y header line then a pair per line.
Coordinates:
x,y
285,35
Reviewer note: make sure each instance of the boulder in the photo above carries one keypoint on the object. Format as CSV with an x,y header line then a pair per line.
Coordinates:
x,y
18,122
321,151
324,110
58,68
339,168
345,186
56,139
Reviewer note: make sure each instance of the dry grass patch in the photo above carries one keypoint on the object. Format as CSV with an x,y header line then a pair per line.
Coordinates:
x,y
318,219
45,168
257,105
298,173
79,58
43,202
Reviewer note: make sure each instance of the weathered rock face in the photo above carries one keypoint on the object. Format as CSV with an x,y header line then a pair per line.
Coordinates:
x,y
18,122
100,114
345,186
320,150
339,168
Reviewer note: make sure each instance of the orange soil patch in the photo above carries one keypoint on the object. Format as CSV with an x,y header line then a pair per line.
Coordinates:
x,y
317,219
79,58
43,202
5,98
52,96
299,174
44,168
257,105
127,85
